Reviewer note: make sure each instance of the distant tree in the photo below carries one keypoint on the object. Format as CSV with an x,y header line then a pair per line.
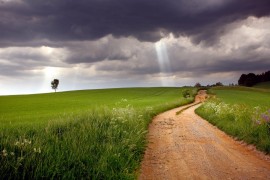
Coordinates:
x,y
54,84
198,85
242,80
218,84
266,76
251,79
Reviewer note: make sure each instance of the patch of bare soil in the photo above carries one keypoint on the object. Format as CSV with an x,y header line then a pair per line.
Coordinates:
x,y
185,146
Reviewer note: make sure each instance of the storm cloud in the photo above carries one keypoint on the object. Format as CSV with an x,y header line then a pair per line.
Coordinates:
x,y
121,43
146,20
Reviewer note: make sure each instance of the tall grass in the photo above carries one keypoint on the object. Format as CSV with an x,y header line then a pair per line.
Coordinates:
x,y
244,118
97,145
101,143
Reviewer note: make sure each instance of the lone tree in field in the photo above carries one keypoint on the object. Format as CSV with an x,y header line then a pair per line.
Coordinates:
x,y
54,84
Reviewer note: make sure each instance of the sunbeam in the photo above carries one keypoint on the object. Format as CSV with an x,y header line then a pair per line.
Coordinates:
x,y
164,64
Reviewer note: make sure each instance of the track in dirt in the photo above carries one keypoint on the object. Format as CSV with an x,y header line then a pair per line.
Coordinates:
x,y
185,146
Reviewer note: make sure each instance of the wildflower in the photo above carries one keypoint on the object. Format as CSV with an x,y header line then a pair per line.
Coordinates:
x,y
4,152
12,153
37,150
265,117
258,122
26,141
17,143
257,108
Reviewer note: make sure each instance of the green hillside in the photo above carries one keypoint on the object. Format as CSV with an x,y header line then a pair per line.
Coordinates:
x,y
243,95
41,108
92,134
263,85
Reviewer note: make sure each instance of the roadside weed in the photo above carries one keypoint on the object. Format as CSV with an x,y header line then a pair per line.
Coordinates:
x,y
244,122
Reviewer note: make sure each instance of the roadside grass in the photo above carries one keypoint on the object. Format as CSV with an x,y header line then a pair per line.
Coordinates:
x,y
240,112
96,134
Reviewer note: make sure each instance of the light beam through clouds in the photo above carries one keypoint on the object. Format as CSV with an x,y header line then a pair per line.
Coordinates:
x,y
166,77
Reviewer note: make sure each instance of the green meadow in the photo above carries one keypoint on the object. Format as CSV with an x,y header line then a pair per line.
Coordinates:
x,y
241,112
263,85
91,134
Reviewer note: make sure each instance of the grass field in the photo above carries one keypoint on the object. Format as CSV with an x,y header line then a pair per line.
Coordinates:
x,y
263,85
241,112
95,134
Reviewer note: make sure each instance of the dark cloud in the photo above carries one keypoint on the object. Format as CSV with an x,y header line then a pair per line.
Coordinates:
x,y
107,48
147,20
85,58
15,71
24,61
23,56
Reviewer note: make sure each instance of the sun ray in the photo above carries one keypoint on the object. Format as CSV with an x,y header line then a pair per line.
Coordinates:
x,y
164,64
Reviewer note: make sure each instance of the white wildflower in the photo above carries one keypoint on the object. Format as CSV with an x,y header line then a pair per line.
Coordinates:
x,y
4,152
17,143
37,150
26,141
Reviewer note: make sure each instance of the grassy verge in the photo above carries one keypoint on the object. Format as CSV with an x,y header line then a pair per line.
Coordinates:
x,y
104,141
241,112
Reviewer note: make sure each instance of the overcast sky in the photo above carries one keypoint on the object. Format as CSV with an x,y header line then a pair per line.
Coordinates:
x,y
89,44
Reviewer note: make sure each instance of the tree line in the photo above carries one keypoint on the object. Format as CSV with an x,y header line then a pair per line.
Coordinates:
x,y
251,79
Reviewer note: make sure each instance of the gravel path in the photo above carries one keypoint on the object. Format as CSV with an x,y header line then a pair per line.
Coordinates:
x,y
185,146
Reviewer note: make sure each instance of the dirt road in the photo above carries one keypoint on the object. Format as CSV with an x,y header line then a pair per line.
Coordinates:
x,y
186,146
